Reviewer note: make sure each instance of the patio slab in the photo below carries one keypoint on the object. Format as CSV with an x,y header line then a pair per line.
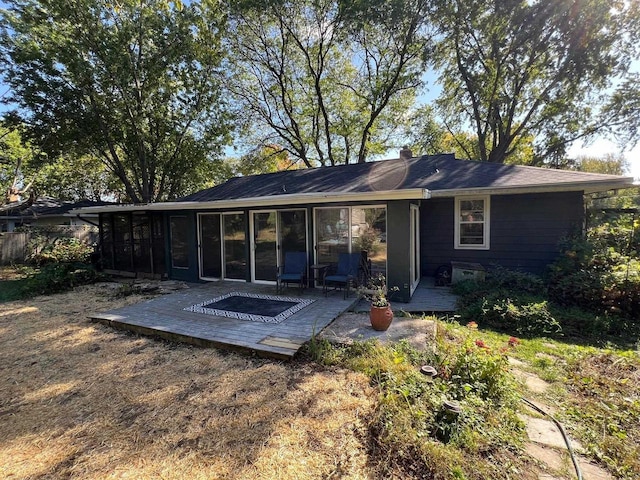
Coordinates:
x,y
165,317
427,298
349,327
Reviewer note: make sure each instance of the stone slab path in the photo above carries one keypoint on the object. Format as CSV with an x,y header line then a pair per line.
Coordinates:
x,y
546,443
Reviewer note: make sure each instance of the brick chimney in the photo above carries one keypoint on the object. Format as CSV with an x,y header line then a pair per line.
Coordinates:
x,y
405,153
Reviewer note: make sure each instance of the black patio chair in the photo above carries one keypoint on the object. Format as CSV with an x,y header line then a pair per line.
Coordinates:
x,y
294,270
346,273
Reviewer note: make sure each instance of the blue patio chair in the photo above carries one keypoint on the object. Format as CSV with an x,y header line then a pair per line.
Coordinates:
x,y
294,270
346,273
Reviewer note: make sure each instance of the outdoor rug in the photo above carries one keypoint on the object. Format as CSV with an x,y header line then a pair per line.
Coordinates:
x,y
251,306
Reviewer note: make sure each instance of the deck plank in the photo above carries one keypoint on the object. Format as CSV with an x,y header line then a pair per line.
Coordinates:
x,y
165,317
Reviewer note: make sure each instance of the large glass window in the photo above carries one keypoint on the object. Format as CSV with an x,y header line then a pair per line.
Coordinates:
x,y
178,232
472,223
352,230
332,234
369,234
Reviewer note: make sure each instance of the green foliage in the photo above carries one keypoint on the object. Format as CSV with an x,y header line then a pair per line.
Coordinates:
x,y
136,84
58,277
48,279
609,164
527,318
412,424
509,301
600,273
328,81
74,178
514,71
45,249
18,159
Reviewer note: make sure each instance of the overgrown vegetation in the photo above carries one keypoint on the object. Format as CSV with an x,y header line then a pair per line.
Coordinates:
x,y
415,431
53,264
592,291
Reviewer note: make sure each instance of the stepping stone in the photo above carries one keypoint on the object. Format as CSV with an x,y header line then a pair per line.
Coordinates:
x,y
591,471
545,432
551,457
533,382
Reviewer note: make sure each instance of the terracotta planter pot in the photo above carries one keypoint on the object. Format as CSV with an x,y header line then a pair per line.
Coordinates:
x,y
380,317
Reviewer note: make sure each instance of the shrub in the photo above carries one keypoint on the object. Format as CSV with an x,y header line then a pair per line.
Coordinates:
x,y
527,318
515,281
600,273
44,250
58,277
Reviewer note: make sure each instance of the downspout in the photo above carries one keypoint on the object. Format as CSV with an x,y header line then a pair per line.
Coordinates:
x,y
80,217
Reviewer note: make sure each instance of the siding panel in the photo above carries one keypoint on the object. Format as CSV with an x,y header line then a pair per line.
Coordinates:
x,y
525,231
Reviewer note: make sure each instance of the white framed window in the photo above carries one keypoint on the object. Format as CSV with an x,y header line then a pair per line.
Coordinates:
x,y
472,222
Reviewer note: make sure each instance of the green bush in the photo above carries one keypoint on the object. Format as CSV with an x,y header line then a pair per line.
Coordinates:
x,y
515,281
43,250
600,273
527,318
411,424
57,277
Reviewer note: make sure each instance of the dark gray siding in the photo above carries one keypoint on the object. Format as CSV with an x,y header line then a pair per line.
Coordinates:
x,y
525,231
398,249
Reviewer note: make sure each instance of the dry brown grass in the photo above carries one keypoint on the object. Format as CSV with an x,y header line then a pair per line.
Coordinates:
x,y
80,400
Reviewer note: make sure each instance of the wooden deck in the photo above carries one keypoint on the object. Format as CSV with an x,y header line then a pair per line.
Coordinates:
x,y
164,317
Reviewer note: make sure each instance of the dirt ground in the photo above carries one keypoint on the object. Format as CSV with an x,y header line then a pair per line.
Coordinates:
x,y
80,400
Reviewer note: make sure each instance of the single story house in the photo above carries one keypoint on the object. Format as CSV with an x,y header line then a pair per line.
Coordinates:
x,y
45,211
410,215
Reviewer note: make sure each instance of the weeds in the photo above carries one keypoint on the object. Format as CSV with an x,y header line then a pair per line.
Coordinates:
x,y
421,436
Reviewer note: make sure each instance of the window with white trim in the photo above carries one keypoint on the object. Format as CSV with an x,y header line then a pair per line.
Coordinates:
x,y
472,223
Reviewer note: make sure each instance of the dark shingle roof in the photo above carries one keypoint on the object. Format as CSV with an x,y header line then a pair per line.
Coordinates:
x,y
45,207
435,173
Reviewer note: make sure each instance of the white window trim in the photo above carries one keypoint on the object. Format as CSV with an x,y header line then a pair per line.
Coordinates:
x,y
487,223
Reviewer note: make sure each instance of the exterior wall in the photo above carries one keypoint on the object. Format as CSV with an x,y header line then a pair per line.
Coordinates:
x,y
525,231
398,250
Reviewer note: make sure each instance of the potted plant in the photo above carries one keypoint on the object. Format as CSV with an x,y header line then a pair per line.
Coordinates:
x,y
380,313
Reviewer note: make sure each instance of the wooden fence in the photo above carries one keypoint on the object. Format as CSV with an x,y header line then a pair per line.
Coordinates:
x,y
13,246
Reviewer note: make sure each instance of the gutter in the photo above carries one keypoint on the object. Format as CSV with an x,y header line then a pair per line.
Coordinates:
x,y
268,201
586,187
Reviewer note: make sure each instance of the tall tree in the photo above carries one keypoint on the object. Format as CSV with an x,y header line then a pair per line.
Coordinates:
x,y
329,81
78,178
610,164
17,164
136,83
622,113
514,69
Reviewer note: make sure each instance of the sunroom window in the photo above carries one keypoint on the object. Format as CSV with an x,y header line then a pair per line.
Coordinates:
x,y
472,223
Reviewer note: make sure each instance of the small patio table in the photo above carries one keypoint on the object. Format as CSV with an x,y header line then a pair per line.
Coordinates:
x,y
318,270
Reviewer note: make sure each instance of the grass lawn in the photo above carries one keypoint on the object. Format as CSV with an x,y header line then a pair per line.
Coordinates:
x,y
80,400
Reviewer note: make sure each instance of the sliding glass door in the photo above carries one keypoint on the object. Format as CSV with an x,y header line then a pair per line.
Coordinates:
x,y
273,234
352,230
265,244
222,242
235,246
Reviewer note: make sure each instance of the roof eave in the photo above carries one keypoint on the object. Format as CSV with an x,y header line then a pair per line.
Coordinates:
x,y
586,187
268,201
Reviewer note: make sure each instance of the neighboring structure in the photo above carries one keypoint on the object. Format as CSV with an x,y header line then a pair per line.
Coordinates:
x,y
411,215
45,211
